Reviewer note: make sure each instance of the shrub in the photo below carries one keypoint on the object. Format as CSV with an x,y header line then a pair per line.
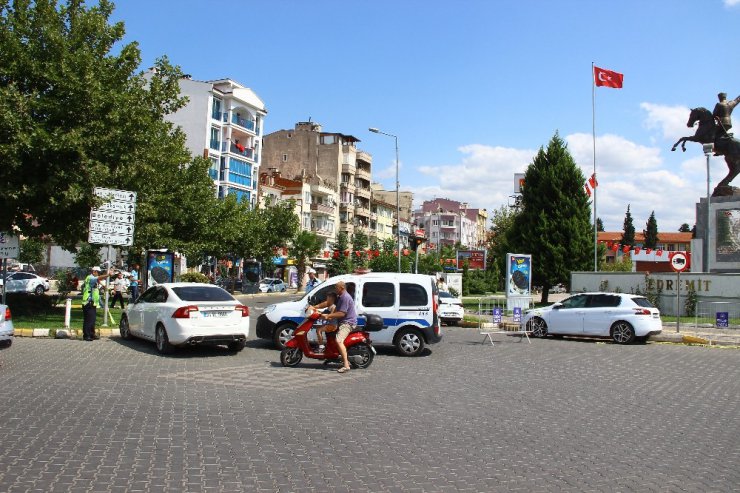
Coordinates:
x,y
29,305
194,277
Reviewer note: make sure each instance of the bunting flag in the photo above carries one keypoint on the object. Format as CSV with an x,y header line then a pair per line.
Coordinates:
x,y
588,190
648,251
637,249
592,181
626,249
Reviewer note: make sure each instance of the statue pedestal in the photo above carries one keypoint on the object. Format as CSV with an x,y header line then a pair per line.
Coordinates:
x,y
723,249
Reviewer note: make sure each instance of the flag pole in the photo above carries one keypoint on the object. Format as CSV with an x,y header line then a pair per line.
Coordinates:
x,y
593,126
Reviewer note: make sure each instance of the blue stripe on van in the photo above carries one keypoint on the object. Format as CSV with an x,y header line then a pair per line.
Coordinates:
x,y
391,322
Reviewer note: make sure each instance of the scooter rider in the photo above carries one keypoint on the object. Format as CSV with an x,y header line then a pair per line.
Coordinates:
x,y
346,314
331,300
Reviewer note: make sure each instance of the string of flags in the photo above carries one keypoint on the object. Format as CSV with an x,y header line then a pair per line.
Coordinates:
x,y
626,248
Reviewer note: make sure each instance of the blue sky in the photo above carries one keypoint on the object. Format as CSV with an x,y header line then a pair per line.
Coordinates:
x,y
473,88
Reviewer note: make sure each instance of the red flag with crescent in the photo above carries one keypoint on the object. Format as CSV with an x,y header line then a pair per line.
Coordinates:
x,y
608,78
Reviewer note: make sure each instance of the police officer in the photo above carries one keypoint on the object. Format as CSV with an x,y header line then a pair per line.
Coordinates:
x,y
90,302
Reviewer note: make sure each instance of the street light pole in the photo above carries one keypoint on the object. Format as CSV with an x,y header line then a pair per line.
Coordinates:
x,y
398,202
708,150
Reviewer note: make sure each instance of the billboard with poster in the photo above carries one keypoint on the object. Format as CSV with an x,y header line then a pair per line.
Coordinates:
x,y
518,274
476,259
159,268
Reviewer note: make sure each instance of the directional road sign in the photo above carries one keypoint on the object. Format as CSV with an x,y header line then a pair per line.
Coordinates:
x,y
113,222
111,194
9,245
110,238
112,217
679,261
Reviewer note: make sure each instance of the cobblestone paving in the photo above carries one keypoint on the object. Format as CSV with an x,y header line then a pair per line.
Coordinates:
x,y
553,415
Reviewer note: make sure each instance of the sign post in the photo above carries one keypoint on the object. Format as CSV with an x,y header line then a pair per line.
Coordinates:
x,y
112,224
679,262
9,248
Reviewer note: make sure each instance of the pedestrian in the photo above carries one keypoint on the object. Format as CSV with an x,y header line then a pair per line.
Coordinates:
x,y
346,314
441,284
90,302
118,284
134,277
312,281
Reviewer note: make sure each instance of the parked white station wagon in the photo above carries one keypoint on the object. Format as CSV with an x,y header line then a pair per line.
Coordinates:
x,y
623,317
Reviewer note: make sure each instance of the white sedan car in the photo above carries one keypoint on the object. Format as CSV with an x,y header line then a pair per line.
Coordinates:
x,y
450,308
623,317
186,314
26,282
6,326
270,285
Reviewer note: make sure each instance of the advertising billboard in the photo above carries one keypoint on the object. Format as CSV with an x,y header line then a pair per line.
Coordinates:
x,y
159,268
518,274
476,259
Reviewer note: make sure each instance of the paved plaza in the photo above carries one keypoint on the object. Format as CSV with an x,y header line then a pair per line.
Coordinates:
x,y
552,415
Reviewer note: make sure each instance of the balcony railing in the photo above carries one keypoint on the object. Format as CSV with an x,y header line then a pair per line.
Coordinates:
x,y
247,152
216,115
322,208
248,124
215,145
362,192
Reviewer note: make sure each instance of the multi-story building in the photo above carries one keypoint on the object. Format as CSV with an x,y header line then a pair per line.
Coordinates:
x,y
339,173
223,121
382,221
405,202
448,222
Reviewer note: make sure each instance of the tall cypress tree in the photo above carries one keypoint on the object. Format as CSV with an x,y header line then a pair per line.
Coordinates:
x,y
628,233
555,220
651,232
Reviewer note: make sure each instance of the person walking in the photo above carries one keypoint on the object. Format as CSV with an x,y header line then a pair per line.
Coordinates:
x,y
90,302
134,277
118,284
312,281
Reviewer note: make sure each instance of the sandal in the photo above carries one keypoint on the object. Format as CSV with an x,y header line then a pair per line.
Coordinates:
x,y
343,370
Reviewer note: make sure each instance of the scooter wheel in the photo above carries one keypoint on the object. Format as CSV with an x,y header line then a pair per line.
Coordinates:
x,y
360,356
290,356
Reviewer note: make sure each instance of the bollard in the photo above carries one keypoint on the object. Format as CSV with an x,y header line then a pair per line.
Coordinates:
x,y
67,313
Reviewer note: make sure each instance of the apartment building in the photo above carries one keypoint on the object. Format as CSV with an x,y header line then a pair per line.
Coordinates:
x,y
448,222
339,174
223,121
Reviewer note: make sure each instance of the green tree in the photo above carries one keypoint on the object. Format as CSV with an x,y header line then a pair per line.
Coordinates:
x,y
360,243
599,224
75,114
555,221
32,251
340,263
499,240
628,231
685,228
651,232
87,256
305,245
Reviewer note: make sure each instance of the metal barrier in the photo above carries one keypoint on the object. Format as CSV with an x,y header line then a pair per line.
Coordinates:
x,y
717,314
494,318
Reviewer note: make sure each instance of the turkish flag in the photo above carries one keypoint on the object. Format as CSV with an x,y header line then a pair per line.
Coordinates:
x,y
607,78
637,249
648,251
592,181
615,247
659,253
588,190
626,248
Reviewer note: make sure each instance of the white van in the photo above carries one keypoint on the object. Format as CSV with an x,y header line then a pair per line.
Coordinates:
x,y
407,303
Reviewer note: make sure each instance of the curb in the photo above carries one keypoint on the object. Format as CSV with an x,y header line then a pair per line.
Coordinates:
x,y
63,333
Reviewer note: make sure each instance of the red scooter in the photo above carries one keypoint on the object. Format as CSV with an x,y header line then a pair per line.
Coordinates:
x,y
360,350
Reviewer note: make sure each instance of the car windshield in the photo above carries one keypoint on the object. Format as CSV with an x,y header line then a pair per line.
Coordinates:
x,y
643,302
445,294
202,293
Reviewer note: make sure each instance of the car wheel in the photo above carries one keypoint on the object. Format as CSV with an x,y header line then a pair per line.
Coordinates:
x,y
290,356
409,342
124,328
538,327
39,290
623,333
365,354
237,346
162,341
283,333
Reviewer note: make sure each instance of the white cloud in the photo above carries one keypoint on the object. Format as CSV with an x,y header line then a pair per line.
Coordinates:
x,y
731,3
648,178
670,120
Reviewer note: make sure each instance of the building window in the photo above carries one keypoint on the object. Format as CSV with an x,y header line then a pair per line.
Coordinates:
x,y
216,109
285,158
215,138
307,197
240,172
213,171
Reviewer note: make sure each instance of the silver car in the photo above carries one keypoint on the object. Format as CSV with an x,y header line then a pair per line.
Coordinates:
x,y
26,282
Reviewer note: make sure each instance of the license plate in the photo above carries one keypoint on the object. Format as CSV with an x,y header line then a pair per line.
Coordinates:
x,y
215,314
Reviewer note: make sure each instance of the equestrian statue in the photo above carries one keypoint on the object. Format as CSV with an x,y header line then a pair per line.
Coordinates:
x,y
714,129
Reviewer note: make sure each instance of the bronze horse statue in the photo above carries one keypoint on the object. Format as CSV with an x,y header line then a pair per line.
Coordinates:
x,y
710,132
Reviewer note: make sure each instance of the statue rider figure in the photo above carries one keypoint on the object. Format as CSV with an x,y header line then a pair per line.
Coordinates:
x,y
723,111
